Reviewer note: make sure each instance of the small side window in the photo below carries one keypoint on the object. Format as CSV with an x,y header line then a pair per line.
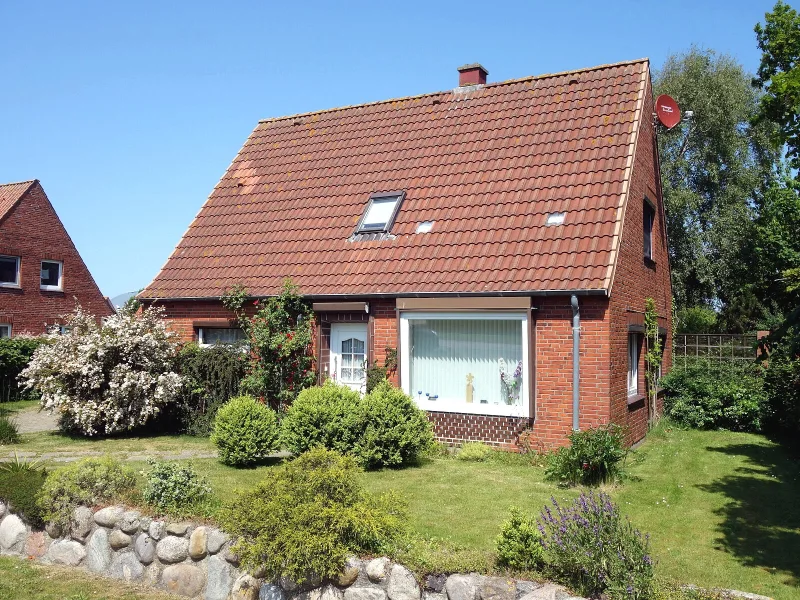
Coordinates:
x,y
634,351
211,336
51,275
649,218
5,330
9,271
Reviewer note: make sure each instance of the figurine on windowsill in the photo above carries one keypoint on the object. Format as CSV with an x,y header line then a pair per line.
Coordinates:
x,y
470,387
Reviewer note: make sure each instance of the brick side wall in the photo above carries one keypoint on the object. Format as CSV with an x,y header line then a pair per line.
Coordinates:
x,y
637,279
33,231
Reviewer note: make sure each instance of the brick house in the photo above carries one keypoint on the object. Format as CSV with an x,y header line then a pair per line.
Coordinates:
x,y
42,275
482,232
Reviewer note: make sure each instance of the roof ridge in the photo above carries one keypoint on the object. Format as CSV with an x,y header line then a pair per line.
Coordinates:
x,y
429,94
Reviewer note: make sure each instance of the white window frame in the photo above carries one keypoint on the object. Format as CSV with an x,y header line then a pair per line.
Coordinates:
x,y
52,288
6,326
458,405
9,284
201,335
634,355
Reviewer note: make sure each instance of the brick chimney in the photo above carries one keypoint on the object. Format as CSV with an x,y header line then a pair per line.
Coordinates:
x,y
473,74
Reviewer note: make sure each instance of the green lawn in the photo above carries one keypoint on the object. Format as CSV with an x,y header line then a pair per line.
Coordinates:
x,y
47,442
9,408
723,509
20,579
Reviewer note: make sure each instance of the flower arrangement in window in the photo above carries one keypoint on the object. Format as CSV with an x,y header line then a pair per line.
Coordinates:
x,y
511,383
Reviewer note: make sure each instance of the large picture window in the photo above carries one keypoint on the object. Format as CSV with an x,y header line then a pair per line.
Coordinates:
x,y
466,362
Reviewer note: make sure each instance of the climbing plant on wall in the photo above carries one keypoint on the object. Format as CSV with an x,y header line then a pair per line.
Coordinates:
x,y
279,335
652,357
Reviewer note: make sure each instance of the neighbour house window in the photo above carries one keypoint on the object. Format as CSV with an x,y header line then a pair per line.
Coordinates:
x,y
381,212
5,330
649,219
9,271
466,362
634,352
51,275
209,336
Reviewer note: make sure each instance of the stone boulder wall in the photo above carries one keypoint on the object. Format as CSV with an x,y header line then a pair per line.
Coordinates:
x,y
195,561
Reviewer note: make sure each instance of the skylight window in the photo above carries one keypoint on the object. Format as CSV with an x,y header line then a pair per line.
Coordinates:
x,y
556,218
425,227
381,212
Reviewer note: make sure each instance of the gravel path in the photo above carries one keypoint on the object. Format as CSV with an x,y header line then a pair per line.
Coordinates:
x,y
32,420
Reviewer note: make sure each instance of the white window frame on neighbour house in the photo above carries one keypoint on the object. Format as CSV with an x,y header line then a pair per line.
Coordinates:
x,y
11,284
634,356
5,330
202,331
59,287
458,403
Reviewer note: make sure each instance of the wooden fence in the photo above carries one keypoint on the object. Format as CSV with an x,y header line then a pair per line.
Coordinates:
x,y
715,348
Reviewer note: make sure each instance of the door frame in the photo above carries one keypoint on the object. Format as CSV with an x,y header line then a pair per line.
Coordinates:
x,y
338,328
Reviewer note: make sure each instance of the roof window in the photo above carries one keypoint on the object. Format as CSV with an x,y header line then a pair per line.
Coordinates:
x,y
425,227
381,212
556,218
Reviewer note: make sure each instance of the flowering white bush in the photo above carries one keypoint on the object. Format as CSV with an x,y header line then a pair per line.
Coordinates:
x,y
106,378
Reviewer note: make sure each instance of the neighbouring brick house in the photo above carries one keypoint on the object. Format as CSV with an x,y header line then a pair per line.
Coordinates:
x,y
466,229
42,275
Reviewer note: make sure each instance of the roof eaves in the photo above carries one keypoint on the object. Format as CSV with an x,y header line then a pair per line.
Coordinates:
x,y
534,293
30,182
443,92
623,199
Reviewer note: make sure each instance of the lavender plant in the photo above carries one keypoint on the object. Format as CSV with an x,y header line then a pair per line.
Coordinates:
x,y
592,548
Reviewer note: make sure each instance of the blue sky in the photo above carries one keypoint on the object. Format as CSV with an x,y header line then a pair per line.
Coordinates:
x,y
129,113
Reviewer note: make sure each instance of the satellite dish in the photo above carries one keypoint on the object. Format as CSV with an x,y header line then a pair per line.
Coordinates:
x,y
667,111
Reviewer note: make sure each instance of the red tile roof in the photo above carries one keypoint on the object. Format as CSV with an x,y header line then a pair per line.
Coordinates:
x,y
486,164
10,193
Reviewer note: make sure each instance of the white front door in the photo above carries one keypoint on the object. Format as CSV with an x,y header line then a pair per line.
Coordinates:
x,y
349,354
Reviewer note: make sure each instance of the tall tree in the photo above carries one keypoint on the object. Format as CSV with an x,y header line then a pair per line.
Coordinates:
x,y
715,166
779,76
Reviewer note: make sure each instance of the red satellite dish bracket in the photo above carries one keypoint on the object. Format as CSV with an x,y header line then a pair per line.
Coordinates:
x,y
667,111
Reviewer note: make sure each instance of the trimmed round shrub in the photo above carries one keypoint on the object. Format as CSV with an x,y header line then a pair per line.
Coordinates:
x,y
308,515
88,482
245,431
171,486
382,429
322,416
395,431
594,456
519,545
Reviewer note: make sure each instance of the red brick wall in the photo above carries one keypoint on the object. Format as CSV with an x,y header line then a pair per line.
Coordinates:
x,y
553,336
637,279
33,231
554,367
